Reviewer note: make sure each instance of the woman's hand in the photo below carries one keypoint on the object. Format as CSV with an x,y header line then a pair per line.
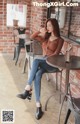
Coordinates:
x,y
42,32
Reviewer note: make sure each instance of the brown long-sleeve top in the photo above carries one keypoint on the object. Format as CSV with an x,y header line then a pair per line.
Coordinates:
x,y
49,47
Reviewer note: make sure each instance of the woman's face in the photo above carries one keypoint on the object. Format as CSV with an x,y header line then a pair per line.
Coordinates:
x,y
49,27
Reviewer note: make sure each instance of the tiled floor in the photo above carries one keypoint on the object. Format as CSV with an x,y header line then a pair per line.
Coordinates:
x,y
12,82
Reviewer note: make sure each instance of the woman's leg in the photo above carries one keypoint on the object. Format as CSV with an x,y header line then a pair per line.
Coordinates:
x,y
37,84
34,69
44,67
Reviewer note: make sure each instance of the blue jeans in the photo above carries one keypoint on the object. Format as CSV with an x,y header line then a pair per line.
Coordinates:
x,y
39,67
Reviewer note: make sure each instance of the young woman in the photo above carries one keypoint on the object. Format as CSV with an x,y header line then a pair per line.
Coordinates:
x,y
49,36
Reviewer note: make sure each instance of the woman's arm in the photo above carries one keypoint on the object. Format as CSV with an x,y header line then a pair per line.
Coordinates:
x,y
34,35
39,35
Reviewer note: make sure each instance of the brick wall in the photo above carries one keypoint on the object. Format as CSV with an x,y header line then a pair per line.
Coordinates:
x,y
38,15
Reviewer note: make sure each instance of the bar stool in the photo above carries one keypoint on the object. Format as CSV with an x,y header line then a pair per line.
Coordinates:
x,y
20,34
73,106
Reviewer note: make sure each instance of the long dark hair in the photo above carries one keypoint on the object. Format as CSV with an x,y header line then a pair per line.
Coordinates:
x,y
55,25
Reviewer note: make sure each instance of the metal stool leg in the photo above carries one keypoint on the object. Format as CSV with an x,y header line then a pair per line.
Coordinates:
x,y
17,53
47,102
24,67
56,80
47,77
60,85
67,116
14,53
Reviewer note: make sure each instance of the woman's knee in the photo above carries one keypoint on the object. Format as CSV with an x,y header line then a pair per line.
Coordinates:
x,y
35,61
39,73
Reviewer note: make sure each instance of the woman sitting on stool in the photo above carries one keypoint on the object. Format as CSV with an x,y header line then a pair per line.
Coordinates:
x,y
49,37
